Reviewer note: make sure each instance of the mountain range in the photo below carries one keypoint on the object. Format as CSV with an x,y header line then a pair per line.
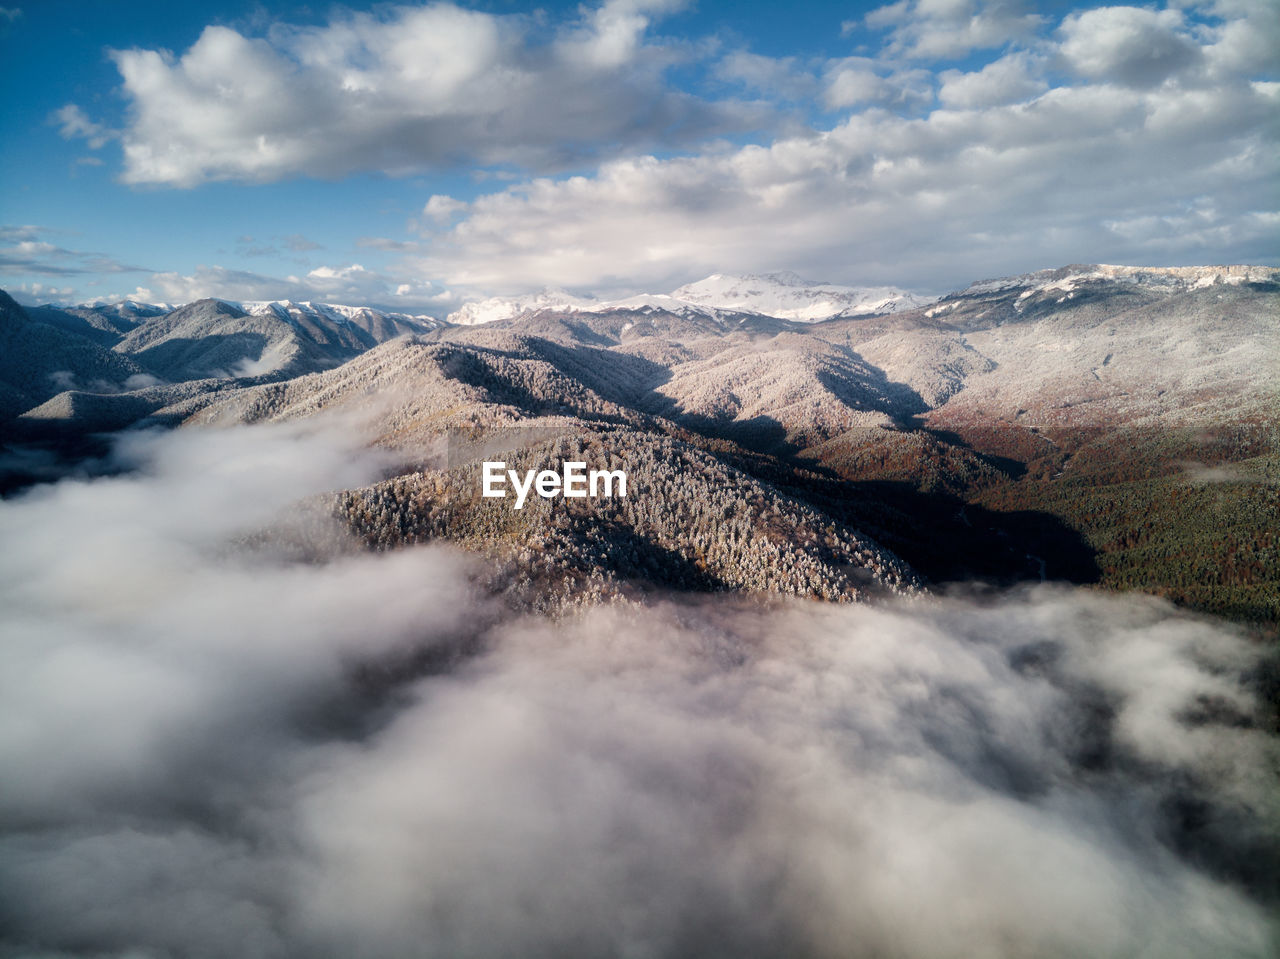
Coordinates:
x,y
1093,423
782,296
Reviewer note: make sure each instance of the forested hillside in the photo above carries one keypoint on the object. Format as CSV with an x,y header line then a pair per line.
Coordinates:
x,y
1105,425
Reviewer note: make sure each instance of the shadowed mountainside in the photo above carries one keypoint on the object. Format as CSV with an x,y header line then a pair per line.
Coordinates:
x,y
1091,423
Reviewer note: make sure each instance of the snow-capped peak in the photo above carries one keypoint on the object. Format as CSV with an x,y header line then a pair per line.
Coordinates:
x,y
781,295
1172,278
293,310
505,307
790,297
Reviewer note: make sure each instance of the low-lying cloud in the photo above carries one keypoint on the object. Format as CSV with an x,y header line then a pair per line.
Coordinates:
x,y
212,748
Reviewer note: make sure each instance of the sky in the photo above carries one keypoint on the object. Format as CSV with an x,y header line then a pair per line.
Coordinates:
x,y
417,156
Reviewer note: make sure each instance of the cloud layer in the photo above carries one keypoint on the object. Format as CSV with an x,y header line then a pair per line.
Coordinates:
x,y
1121,135
959,139
349,284
411,88
25,252
216,750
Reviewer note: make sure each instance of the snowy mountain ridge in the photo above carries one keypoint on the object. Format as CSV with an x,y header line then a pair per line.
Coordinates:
x,y
505,307
781,295
1171,278
789,297
290,310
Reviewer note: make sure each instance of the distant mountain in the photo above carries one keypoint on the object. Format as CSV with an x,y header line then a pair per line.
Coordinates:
x,y
788,297
1168,279
105,324
505,307
779,295
109,322
1088,346
1116,347
214,338
101,367
39,360
1051,424
379,324
996,432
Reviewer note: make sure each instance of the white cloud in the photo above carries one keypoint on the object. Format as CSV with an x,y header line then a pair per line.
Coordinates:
x,y
1006,80
404,90
860,81
612,34
933,177
1248,38
442,208
33,294
1130,45
74,122
944,198
215,749
32,256
349,284
950,29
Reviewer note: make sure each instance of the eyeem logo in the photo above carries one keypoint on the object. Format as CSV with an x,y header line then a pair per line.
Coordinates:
x,y
574,483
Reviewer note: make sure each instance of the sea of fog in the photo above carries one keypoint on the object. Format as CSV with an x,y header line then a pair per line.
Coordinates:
x,y
212,749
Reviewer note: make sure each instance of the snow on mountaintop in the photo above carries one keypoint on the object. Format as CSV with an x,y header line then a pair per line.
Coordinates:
x,y
335,312
788,297
505,307
1170,278
782,295
125,308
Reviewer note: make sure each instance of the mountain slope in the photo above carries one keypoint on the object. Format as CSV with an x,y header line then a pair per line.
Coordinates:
x,y
37,361
1088,349
951,434
377,325
212,338
689,522
1058,424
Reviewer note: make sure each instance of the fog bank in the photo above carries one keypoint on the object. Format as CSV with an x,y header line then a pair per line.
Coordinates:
x,y
213,750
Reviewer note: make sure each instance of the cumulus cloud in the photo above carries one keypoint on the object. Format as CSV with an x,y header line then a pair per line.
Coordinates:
x,y
1135,46
216,750
860,81
955,194
406,89
1246,39
950,29
442,208
1006,80
612,34
351,283
31,294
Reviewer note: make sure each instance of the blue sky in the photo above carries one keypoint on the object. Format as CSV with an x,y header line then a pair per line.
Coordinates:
x,y
419,155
